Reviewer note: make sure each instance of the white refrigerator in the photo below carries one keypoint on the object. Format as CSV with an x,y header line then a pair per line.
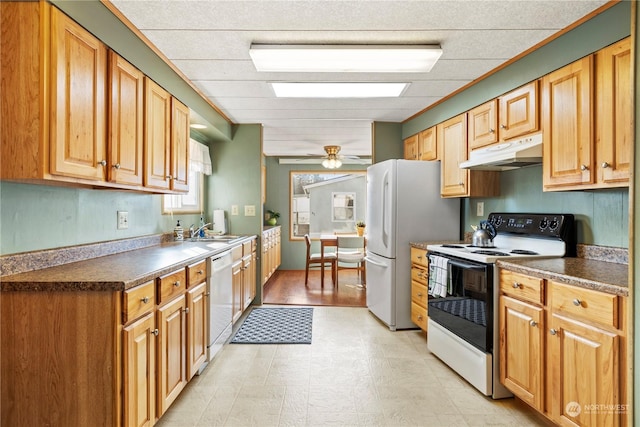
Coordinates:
x,y
403,205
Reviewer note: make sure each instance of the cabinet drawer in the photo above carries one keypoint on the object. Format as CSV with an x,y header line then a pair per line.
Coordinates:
x,y
522,287
197,273
236,252
419,256
419,294
419,275
171,285
585,303
138,301
419,316
246,248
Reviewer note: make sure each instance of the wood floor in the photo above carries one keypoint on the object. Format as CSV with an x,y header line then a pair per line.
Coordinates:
x,y
287,287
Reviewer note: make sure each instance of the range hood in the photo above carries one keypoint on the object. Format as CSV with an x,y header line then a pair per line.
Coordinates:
x,y
508,155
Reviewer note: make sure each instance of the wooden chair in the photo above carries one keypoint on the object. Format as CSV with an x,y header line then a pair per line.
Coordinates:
x,y
315,260
351,250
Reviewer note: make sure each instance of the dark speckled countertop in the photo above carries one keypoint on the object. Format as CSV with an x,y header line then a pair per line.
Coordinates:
x,y
115,272
601,276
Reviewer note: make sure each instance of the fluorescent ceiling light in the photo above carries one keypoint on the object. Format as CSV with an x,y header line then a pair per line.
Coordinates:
x,y
338,90
345,58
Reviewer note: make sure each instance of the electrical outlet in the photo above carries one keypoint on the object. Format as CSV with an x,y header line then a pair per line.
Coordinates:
x,y
249,210
480,209
234,210
123,220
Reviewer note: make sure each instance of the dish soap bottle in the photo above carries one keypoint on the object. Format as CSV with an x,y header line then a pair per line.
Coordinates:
x,y
201,226
178,232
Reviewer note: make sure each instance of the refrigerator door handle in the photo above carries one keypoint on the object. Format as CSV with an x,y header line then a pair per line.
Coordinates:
x,y
385,189
366,258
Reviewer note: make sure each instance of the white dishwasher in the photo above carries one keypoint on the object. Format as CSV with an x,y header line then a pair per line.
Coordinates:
x,y
220,301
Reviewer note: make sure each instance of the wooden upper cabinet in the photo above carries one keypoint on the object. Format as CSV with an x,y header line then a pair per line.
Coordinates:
x,y
78,101
427,144
518,112
411,148
126,119
157,136
567,103
483,122
614,114
452,134
179,146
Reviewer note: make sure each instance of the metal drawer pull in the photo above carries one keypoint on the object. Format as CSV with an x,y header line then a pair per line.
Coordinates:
x,y
583,167
516,285
116,166
155,332
553,331
200,272
577,302
605,165
145,300
186,310
177,283
533,323
420,294
103,163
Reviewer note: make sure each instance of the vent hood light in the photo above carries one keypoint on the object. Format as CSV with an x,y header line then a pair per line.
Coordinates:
x,y
507,155
345,58
338,90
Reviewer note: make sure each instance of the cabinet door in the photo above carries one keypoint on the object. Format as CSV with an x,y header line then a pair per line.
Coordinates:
x,y
518,112
172,341
453,137
411,148
78,101
236,308
614,138
566,125
196,328
427,147
138,376
179,146
247,296
584,376
126,117
483,121
521,350
157,136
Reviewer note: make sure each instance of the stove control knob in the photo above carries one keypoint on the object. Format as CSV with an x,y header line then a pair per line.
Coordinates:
x,y
497,221
544,223
553,224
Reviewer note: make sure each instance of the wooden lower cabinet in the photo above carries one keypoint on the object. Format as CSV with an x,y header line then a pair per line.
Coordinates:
x,y
196,328
138,376
562,351
419,287
236,280
271,256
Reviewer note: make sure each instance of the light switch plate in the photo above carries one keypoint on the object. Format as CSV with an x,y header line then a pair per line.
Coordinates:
x,y
234,210
480,209
249,210
123,220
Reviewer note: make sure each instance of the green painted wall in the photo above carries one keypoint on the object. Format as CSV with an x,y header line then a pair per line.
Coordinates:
x,y
387,141
293,251
635,222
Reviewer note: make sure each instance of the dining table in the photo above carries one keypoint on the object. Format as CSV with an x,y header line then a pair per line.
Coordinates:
x,y
327,241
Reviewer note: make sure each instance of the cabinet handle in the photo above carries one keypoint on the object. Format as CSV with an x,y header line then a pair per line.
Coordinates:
x,y
103,163
605,165
419,256
503,127
169,177
419,317
177,284
492,131
145,300
553,331
186,310
461,183
583,167
533,323
516,285
155,332
420,294
116,166
577,302
200,272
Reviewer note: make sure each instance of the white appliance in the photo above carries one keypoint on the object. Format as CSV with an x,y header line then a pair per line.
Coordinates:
x,y
508,155
403,206
220,302
463,324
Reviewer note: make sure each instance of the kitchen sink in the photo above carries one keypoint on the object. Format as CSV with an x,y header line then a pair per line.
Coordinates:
x,y
221,239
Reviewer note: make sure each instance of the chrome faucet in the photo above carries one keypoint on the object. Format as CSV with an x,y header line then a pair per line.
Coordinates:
x,y
193,232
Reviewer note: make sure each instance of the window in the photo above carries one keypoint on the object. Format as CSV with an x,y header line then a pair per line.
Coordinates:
x,y
343,206
186,203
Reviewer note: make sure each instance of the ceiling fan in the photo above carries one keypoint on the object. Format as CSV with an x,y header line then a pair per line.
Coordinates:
x,y
334,160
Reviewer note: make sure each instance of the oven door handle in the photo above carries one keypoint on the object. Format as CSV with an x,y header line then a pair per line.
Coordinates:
x,y
466,265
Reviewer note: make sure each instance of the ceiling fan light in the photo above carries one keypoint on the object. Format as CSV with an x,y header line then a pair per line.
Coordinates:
x,y
325,163
338,163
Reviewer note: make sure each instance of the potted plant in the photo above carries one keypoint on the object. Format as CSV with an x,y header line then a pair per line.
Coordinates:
x,y
273,217
360,228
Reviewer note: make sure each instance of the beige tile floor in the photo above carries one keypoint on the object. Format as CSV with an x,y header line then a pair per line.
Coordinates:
x,y
355,373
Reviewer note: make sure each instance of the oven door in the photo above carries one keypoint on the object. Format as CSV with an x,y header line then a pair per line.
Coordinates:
x,y
467,310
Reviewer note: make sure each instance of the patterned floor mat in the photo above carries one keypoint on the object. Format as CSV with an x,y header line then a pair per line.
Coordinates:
x,y
290,325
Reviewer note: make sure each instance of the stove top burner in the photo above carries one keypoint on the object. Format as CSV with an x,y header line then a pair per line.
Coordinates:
x,y
524,252
452,246
495,253
482,247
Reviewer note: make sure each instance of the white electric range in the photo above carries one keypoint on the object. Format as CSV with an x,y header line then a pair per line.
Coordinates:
x,y
464,291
